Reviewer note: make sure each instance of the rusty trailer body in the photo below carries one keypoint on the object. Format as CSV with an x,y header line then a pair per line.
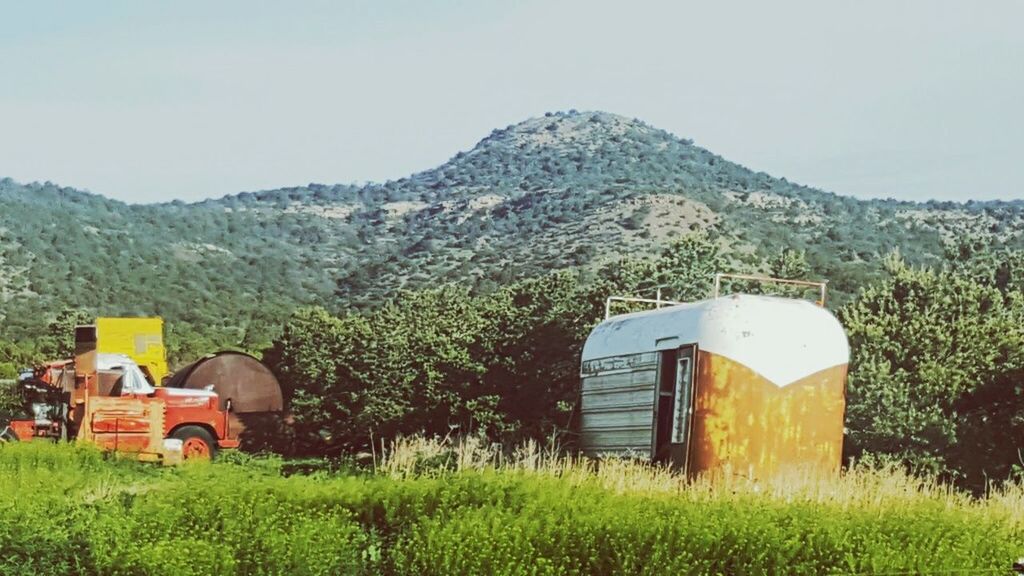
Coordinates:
x,y
745,384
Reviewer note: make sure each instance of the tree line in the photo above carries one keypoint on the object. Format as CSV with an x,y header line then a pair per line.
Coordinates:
x,y
936,378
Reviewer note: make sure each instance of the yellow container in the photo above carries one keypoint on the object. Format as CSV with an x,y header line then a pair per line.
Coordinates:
x,y
141,339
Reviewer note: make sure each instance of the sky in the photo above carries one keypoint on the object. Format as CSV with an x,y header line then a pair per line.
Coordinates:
x,y
149,101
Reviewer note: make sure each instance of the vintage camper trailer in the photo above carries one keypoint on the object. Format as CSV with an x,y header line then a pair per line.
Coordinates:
x,y
741,383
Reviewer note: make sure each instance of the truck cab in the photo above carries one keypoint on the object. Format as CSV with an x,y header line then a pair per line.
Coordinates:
x,y
191,416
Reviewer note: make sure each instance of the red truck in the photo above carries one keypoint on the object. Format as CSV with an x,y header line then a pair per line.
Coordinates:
x,y
109,400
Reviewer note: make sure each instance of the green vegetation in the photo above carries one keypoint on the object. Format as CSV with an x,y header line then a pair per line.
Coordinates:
x,y
443,360
570,190
456,300
934,384
70,510
938,355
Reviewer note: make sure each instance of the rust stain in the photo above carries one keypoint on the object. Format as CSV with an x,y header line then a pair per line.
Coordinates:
x,y
745,423
123,424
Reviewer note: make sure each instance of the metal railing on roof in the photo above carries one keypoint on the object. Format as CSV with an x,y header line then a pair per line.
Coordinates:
x,y
821,286
659,302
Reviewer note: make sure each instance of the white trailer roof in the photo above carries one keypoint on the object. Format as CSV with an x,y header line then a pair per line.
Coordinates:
x,y
781,339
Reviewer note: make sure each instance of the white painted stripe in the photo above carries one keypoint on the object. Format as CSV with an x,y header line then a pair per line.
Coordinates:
x,y
196,393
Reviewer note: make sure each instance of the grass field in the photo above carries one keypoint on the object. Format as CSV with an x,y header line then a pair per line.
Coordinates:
x,y
429,508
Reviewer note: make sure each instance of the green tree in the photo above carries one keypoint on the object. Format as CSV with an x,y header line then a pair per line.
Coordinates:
x,y
789,264
17,356
688,265
323,365
685,271
927,347
8,371
412,366
59,341
533,363
987,262
442,360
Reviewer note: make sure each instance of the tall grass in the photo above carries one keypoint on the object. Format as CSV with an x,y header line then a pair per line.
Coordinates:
x,y
465,507
630,517
856,487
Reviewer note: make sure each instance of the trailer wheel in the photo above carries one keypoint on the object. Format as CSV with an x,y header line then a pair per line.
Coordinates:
x,y
196,443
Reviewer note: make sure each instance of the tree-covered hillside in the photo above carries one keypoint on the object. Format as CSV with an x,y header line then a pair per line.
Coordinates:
x,y
567,190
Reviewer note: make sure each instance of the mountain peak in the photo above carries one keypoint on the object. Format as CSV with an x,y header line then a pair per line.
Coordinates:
x,y
580,150
564,190
573,128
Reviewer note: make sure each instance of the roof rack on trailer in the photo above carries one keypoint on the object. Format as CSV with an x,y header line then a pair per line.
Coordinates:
x,y
658,301
822,285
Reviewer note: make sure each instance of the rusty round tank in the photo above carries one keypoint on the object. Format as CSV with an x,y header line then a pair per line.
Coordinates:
x,y
236,377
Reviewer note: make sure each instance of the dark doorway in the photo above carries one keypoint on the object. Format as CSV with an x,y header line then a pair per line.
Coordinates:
x,y
674,407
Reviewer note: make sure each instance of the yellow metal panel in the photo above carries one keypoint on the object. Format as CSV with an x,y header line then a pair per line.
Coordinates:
x,y
141,339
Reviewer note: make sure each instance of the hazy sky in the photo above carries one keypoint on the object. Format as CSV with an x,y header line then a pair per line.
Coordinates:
x,y
150,101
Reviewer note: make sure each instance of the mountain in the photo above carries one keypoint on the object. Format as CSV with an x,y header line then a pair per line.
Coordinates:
x,y
573,189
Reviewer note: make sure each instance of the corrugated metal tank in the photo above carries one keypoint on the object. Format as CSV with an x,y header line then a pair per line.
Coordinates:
x,y
743,383
256,417
236,377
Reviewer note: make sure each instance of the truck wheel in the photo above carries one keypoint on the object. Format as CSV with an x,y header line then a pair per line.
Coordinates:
x,y
196,443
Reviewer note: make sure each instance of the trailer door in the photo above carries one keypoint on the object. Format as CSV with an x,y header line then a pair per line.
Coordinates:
x,y
674,410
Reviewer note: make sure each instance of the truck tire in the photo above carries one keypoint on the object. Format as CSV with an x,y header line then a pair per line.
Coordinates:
x,y
196,443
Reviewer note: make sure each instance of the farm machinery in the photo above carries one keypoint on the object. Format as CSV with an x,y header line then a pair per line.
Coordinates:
x,y
117,393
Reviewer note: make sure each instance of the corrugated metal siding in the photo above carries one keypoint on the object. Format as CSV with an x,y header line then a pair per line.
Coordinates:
x,y
617,405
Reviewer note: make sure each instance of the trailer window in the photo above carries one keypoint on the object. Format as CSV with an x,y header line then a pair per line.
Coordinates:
x,y
681,411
